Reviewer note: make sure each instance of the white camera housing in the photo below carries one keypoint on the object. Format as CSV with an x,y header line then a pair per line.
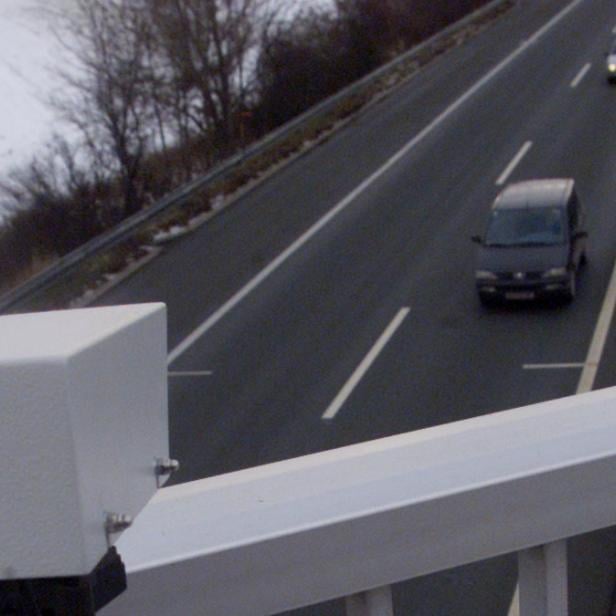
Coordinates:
x,y
83,419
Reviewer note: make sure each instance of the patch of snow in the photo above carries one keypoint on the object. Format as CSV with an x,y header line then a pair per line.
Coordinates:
x,y
218,202
168,234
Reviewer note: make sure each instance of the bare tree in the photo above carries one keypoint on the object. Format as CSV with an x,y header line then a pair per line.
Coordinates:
x,y
106,88
209,47
62,201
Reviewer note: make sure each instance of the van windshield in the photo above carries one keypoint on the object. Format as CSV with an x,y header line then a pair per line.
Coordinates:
x,y
540,226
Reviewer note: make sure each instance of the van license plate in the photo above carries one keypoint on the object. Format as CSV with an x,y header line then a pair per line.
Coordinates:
x,y
520,295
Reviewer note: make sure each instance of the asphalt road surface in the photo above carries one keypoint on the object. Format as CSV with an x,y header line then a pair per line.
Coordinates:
x,y
335,303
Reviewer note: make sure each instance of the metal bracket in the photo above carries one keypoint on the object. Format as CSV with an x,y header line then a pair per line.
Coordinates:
x,y
163,468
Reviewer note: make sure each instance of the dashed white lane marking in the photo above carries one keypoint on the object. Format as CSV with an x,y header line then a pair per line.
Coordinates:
x,y
192,373
339,207
514,163
552,366
580,75
363,367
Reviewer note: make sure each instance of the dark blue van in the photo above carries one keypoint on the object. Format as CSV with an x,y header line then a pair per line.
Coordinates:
x,y
534,242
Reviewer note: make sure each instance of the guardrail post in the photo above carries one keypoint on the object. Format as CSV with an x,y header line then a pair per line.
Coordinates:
x,y
376,602
542,574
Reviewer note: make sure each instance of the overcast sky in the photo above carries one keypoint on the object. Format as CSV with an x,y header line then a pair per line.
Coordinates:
x,y
26,48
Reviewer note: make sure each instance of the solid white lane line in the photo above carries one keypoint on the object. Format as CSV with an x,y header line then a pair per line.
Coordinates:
x,y
364,366
580,75
552,366
587,378
514,163
514,608
192,373
297,244
614,30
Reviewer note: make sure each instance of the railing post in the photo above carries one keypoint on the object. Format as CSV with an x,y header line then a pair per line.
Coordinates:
x,y
376,602
542,574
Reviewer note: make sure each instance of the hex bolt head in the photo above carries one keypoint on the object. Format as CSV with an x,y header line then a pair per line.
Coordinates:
x,y
166,466
117,522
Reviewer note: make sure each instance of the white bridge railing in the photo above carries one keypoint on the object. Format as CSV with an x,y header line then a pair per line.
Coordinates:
x,y
352,521
84,445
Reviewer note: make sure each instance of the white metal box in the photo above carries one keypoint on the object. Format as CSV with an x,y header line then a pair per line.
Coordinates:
x,y
83,417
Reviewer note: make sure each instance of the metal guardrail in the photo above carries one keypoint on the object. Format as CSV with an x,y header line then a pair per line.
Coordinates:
x,y
123,231
345,522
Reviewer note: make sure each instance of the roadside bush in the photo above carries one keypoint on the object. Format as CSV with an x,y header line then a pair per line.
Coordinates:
x,y
305,60
300,63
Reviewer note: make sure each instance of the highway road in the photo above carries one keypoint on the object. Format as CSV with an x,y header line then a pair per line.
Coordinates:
x,y
335,302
